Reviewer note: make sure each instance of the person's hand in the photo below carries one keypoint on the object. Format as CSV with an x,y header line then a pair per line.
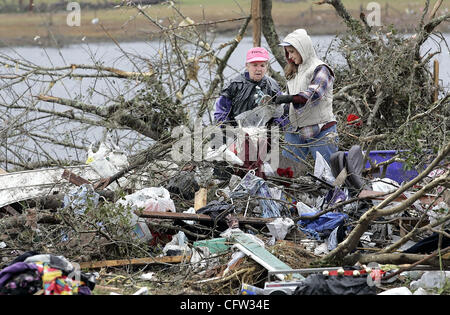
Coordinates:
x,y
280,99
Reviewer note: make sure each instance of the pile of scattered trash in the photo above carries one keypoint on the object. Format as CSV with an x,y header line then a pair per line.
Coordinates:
x,y
208,234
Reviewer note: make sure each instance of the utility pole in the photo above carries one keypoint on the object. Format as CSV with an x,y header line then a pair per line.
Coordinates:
x,y
436,80
256,22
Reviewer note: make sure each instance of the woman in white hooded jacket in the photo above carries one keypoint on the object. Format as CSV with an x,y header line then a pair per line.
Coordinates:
x,y
312,125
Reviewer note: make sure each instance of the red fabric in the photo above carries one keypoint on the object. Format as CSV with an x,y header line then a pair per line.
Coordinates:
x,y
351,118
285,172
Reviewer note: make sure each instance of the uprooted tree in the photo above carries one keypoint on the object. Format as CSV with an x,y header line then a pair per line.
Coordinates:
x,y
385,80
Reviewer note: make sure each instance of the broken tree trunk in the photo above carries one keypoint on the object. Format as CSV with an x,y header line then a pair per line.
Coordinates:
x,y
198,217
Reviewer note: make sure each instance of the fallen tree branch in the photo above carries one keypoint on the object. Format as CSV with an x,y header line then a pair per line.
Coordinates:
x,y
350,243
420,262
198,217
393,258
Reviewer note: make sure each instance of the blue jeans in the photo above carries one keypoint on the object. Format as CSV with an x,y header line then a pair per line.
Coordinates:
x,y
300,147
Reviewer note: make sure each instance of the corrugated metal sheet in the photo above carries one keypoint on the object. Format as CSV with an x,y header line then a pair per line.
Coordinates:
x,y
19,186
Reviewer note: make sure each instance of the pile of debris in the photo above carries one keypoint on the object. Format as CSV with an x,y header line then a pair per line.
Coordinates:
x,y
203,229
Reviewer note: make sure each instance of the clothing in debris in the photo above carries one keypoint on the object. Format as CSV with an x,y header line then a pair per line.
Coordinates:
x,y
323,225
50,274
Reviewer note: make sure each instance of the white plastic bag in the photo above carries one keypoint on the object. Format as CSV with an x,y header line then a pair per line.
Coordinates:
x,y
151,199
322,170
107,161
280,227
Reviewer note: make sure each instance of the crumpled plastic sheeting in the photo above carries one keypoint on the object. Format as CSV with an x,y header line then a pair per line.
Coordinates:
x,y
278,228
151,198
256,186
259,116
79,198
322,169
323,225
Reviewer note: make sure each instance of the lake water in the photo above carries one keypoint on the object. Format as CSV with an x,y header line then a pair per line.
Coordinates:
x,y
112,56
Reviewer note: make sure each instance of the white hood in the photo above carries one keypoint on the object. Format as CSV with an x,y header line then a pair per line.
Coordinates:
x,y
301,41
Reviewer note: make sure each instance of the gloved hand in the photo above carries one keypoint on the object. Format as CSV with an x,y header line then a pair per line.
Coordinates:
x,y
284,99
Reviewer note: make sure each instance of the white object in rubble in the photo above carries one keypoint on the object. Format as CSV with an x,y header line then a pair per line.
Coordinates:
x,y
2,245
280,227
268,170
436,213
235,257
141,291
322,169
321,249
397,291
431,280
232,158
108,160
202,259
147,276
304,209
30,184
413,274
178,243
385,185
192,211
222,154
366,240
234,181
421,291
152,199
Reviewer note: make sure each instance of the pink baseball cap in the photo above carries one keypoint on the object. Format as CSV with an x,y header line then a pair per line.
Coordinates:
x,y
257,54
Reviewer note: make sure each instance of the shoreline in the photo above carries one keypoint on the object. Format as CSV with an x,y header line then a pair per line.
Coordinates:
x,y
56,40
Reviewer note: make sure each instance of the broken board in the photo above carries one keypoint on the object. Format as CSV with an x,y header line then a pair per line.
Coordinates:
x,y
259,254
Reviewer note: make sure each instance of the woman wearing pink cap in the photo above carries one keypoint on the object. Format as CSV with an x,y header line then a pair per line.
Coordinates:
x,y
238,95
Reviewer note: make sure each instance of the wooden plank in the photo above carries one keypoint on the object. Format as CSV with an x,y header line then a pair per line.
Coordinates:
x,y
200,198
198,217
378,195
74,178
134,261
11,210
